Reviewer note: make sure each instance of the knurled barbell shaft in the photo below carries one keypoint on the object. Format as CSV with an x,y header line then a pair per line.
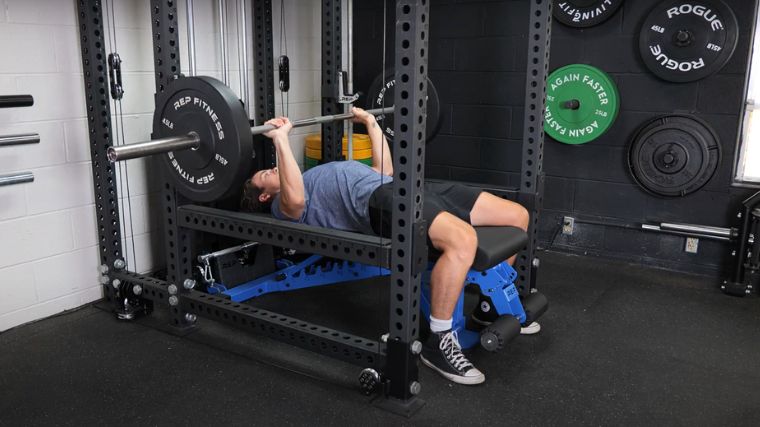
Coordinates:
x,y
258,130
21,139
13,101
175,143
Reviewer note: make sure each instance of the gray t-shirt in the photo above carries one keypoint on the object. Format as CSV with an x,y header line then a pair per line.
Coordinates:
x,y
337,196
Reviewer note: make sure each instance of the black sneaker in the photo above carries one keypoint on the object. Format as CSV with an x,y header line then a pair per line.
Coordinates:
x,y
443,353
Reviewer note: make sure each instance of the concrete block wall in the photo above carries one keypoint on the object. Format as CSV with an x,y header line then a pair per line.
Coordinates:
x,y
48,258
478,62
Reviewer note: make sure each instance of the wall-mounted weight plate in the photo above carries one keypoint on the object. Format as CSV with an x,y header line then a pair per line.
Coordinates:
x,y
673,156
382,94
687,40
582,103
222,162
585,13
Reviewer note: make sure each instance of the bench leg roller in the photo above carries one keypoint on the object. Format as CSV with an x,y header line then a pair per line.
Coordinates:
x,y
535,306
496,335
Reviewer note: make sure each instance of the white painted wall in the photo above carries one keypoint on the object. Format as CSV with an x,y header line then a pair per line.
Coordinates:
x,y
48,256
303,47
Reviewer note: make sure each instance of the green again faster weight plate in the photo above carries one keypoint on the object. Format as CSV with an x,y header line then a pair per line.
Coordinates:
x,y
582,103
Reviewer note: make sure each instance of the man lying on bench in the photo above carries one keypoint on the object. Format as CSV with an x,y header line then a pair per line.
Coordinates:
x,y
352,196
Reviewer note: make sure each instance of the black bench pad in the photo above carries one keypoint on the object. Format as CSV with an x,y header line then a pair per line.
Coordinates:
x,y
496,244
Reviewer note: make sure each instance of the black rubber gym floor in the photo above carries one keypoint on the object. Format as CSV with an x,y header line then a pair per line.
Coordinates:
x,y
621,345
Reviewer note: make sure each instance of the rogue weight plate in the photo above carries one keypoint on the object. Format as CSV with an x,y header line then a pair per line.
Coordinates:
x,y
585,13
223,160
582,103
688,40
673,156
382,94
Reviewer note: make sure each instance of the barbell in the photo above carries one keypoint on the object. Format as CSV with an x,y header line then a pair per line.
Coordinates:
x,y
13,101
204,130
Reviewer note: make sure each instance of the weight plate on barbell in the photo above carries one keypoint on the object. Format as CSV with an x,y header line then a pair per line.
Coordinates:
x,y
218,167
585,13
673,156
687,40
382,94
582,103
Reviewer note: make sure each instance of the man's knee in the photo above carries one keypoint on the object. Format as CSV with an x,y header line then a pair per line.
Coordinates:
x,y
523,216
454,237
464,243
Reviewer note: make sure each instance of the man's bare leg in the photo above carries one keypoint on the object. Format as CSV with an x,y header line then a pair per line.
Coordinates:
x,y
458,243
490,210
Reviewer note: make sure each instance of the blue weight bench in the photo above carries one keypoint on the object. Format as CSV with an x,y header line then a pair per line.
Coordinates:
x,y
490,273
495,279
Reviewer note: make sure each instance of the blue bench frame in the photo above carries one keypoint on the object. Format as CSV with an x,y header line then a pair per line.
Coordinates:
x,y
497,283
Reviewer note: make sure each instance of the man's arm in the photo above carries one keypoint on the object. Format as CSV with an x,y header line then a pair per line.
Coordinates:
x,y
292,199
382,161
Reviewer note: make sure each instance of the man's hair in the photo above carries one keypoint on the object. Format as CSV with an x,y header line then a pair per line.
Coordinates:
x,y
250,202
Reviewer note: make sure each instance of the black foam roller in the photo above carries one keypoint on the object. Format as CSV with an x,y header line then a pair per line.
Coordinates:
x,y
535,305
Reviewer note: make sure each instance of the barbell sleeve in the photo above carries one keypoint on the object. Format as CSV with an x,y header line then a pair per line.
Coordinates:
x,y
156,146
21,139
13,101
16,178
258,130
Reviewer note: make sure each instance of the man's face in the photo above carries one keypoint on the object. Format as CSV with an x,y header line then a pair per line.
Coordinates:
x,y
268,181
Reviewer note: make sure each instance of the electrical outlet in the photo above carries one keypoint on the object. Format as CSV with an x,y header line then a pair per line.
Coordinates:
x,y
568,225
692,245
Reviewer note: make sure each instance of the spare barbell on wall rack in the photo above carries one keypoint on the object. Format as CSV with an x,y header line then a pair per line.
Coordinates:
x,y
23,139
14,101
202,127
20,139
16,178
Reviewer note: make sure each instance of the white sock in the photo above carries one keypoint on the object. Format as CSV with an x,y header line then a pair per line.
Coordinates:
x,y
438,325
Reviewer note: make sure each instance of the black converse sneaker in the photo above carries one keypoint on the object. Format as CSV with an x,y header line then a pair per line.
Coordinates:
x,y
443,353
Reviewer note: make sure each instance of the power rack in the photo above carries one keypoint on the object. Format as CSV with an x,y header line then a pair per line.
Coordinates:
x,y
405,256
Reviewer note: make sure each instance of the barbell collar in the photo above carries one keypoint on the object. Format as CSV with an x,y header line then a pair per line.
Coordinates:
x,y
20,139
156,146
